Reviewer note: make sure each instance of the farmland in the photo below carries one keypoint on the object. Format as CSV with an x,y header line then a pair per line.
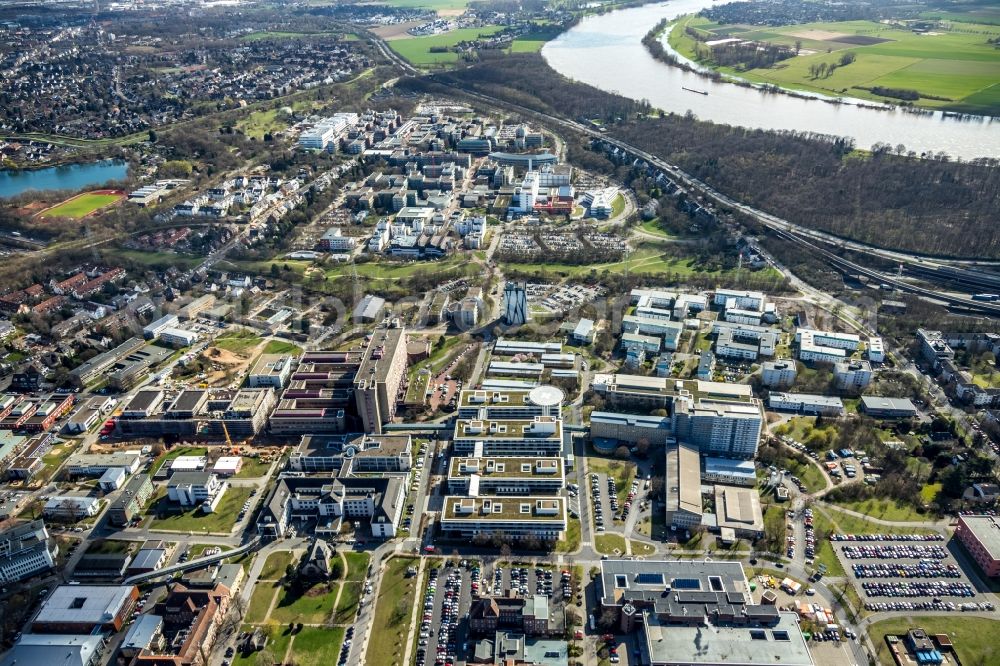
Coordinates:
x,y
951,67
418,49
83,205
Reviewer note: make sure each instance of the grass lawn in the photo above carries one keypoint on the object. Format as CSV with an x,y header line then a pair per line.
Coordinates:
x,y
357,565
314,646
56,456
571,541
886,509
392,613
641,547
274,567
260,602
282,347
193,520
239,341
618,205
929,491
109,547
653,227
650,259
397,270
278,639
855,525
417,49
347,607
952,67
253,468
176,452
609,544
416,390
156,259
974,637
82,205
314,606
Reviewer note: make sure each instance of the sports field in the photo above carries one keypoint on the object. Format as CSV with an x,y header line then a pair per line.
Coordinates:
x,y
951,66
418,49
83,205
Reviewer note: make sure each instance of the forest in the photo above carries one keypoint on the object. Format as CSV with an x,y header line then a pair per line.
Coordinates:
x,y
887,196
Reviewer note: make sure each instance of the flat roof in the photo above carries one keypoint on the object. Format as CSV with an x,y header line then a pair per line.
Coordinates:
x,y
895,404
84,604
683,479
738,646
511,466
987,532
510,508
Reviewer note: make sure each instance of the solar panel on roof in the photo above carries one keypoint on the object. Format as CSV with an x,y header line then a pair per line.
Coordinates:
x,y
649,579
686,584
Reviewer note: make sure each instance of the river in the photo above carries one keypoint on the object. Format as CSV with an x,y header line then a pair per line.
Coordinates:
x,y
68,177
606,51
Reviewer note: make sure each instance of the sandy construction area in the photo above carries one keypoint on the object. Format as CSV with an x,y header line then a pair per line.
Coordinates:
x,y
396,31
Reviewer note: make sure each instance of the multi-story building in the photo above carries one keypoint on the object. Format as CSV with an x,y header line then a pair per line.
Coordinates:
x,y
876,350
152,330
358,453
131,501
196,488
379,378
198,413
101,363
510,403
981,536
719,418
517,518
96,464
505,476
682,487
538,436
515,304
272,370
806,403
329,500
825,346
24,551
934,347
852,375
697,613
82,609
729,472
778,374
532,616
609,429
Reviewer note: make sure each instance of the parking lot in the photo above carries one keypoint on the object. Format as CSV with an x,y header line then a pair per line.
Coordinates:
x,y
603,492
444,625
905,573
443,635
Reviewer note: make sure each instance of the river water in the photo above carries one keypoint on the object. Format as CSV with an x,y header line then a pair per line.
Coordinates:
x,y
606,51
68,177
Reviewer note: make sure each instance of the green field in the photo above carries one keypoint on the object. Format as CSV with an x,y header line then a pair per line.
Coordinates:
x,y
169,518
393,611
239,341
314,606
282,347
952,67
82,205
436,5
316,646
417,49
971,636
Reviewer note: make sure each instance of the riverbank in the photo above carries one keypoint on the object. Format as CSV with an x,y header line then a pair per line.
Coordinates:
x,y
843,62
592,51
